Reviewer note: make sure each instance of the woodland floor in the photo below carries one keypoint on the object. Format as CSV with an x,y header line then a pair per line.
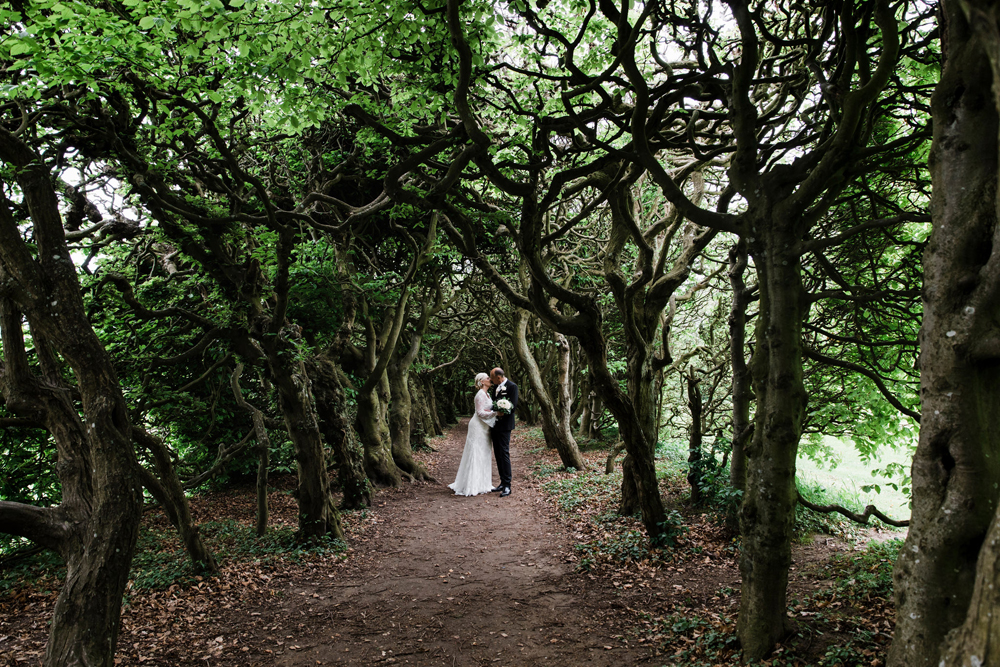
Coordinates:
x,y
435,579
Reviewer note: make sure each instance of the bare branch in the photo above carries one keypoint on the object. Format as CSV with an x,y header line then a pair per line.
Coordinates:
x,y
870,510
45,526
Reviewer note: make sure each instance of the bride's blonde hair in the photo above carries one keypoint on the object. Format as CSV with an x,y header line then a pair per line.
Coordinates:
x,y
479,379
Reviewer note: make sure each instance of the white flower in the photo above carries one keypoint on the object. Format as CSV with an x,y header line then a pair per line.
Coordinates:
x,y
504,404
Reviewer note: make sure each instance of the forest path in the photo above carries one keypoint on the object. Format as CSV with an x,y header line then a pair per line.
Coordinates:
x,y
459,581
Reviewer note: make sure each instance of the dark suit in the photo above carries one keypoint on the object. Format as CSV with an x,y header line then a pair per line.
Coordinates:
x,y
500,433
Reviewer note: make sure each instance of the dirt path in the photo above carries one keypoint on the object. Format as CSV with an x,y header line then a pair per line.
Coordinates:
x,y
459,581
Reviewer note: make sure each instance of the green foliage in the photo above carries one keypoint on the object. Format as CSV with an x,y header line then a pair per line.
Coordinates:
x,y
160,562
855,651
43,571
27,470
866,574
671,529
614,538
542,469
808,522
862,581
573,492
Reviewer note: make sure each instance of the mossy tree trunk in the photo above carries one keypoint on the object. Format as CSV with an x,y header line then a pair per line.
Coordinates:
x,y
373,396
398,375
338,432
555,410
429,403
263,450
318,514
401,419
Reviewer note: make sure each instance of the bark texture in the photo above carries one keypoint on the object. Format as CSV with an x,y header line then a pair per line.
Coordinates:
x,y
977,641
166,487
373,430
741,394
96,525
339,434
555,410
318,514
401,420
263,450
695,464
956,468
767,514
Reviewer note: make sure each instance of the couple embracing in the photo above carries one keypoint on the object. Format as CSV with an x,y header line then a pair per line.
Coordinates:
x,y
489,432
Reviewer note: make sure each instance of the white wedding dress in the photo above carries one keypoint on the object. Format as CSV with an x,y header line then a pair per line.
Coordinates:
x,y
475,472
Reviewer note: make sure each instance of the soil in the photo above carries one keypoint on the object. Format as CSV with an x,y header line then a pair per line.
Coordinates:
x,y
461,581
431,579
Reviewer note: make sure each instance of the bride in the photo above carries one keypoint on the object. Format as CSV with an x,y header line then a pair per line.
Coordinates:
x,y
475,472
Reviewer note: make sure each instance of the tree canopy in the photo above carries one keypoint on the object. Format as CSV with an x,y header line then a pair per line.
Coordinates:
x,y
241,237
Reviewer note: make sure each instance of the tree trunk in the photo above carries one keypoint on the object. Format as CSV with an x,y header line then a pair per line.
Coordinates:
x,y
582,405
695,465
331,405
263,449
640,465
589,420
375,438
741,375
263,463
431,404
596,412
96,525
420,421
318,515
166,488
448,409
977,640
956,468
642,398
767,514
400,414
583,430
554,412
628,504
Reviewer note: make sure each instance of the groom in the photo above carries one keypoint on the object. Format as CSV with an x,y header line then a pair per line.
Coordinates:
x,y
500,433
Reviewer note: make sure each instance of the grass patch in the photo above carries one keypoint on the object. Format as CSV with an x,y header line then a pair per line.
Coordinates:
x,y
573,492
842,470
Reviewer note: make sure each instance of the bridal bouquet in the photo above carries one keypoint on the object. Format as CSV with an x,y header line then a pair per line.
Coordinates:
x,y
503,406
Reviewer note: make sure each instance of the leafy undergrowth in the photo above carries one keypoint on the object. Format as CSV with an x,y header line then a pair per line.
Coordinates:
x,y
170,610
684,594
